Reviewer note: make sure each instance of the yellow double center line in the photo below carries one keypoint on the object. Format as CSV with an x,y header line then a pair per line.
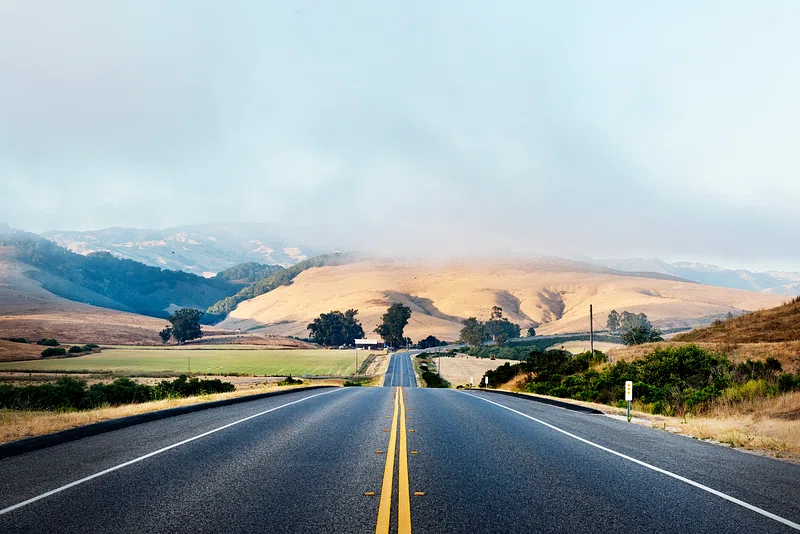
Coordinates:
x,y
404,496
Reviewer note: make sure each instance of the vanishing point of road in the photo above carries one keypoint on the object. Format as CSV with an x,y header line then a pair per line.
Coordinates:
x,y
395,459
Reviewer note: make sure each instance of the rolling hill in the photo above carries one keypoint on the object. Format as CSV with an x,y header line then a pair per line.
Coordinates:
x,y
102,279
775,325
777,282
553,295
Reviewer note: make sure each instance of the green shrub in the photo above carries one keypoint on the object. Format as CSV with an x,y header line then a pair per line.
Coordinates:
x,y
90,346
53,351
48,342
787,382
289,381
70,394
18,339
75,349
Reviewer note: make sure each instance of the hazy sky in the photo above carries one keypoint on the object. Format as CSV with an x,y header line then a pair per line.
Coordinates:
x,y
606,128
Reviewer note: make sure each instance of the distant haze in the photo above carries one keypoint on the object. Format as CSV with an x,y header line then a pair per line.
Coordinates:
x,y
418,128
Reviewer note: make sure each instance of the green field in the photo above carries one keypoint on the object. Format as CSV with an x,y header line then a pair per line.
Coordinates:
x,y
212,361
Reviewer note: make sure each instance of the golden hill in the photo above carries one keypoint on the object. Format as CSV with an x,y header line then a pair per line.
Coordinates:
x,y
554,296
780,324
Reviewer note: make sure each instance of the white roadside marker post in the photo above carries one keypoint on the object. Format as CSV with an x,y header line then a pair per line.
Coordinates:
x,y
471,381
629,397
487,381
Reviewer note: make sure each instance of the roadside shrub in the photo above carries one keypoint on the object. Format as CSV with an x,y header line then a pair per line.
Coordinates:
x,y
787,382
289,381
70,394
48,342
53,351
75,349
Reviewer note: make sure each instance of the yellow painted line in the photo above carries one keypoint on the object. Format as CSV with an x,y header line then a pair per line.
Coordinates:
x,y
403,494
385,508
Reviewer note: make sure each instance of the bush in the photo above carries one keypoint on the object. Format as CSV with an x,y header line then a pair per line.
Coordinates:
x,y
53,351
70,394
786,382
18,339
90,346
48,342
75,349
289,381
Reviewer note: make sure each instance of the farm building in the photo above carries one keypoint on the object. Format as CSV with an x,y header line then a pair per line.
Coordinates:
x,y
369,344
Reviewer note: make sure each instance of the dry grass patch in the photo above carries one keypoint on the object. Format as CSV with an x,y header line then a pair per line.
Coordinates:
x,y
762,326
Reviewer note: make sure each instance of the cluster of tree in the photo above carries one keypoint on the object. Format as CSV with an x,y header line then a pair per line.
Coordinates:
x,y
634,328
671,380
104,280
497,328
336,328
430,342
284,277
393,323
48,342
247,273
185,326
70,394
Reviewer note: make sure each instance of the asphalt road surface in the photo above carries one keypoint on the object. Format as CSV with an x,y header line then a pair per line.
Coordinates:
x,y
392,459
400,371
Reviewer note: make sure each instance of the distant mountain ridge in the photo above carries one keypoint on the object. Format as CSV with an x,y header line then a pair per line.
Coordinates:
x,y
774,282
102,279
204,249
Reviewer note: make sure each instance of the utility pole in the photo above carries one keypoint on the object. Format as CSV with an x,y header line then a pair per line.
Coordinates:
x,y
591,330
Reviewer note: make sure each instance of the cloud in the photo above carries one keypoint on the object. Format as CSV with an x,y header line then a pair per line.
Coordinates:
x,y
516,128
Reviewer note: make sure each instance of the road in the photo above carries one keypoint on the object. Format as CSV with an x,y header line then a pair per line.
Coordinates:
x,y
401,371
395,459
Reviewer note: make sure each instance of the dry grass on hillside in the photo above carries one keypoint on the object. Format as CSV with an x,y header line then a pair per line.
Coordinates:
x,y
555,296
773,325
13,352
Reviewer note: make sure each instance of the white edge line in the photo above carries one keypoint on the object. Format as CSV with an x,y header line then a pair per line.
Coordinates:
x,y
151,454
654,468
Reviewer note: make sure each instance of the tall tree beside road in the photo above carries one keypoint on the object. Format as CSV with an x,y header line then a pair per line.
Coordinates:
x,y
336,328
613,322
500,328
393,323
531,332
186,325
473,333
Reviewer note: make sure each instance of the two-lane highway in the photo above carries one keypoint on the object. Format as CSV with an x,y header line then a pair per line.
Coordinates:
x,y
395,459
401,370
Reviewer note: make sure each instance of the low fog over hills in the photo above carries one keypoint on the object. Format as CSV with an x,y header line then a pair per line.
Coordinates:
x,y
202,249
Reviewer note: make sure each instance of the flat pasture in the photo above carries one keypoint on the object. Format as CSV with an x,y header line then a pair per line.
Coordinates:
x,y
211,361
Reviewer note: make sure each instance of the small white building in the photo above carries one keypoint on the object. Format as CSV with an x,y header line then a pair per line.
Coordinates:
x,y
369,344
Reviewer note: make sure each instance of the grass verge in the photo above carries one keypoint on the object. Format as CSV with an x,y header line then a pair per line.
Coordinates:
x,y
15,424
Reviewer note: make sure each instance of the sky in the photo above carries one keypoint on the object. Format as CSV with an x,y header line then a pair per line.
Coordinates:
x,y
612,129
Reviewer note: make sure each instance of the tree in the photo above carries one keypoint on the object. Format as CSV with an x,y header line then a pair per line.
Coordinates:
x,y
641,334
186,325
165,334
430,341
393,323
613,322
336,328
531,332
473,332
499,328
